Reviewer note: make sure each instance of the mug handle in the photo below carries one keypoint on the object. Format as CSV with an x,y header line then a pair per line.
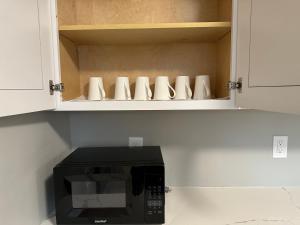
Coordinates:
x,y
188,91
206,90
102,92
127,91
149,92
174,92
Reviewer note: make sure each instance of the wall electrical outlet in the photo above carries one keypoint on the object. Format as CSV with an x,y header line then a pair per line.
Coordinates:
x,y
280,147
136,142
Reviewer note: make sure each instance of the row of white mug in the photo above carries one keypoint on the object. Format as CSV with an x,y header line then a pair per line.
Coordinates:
x,y
162,91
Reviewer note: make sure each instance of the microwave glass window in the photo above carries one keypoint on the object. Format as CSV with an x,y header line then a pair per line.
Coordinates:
x,y
99,194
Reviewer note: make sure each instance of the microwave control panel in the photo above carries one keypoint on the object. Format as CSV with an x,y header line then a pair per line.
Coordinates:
x,y
154,198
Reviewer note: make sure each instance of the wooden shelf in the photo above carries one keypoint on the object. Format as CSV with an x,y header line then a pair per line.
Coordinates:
x,y
145,33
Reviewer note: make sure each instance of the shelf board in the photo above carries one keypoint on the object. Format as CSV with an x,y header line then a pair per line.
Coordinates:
x,y
145,33
111,105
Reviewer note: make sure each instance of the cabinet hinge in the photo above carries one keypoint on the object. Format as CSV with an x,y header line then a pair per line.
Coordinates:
x,y
235,85
55,87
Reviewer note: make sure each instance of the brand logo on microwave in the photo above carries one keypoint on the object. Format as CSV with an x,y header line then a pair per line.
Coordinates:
x,y
100,221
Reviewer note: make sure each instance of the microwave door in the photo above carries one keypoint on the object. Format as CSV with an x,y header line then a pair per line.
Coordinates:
x,y
114,195
98,193
100,196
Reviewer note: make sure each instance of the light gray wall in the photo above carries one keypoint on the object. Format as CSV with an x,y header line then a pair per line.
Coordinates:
x,y
225,148
30,145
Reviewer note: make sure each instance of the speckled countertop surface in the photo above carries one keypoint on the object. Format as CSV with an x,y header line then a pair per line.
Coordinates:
x,y
231,206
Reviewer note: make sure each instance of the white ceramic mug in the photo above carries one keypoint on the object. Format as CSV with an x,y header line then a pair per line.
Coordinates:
x,y
142,89
183,88
202,88
162,89
122,89
96,89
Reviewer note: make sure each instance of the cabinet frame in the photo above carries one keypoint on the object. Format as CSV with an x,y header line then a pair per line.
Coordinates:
x,y
144,105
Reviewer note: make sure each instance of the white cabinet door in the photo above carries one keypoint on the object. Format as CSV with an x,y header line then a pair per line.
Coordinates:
x,y
26,56
268,55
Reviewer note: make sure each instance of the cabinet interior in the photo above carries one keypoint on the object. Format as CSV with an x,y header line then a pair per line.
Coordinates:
x,y
111,38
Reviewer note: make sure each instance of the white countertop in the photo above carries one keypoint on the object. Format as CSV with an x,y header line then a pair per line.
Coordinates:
x,y
231,206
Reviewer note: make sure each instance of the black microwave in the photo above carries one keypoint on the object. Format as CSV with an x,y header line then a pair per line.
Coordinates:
x,y
113,185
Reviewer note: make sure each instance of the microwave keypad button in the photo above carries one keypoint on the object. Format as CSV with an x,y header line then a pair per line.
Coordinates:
x,y
159,204
154,204
154,198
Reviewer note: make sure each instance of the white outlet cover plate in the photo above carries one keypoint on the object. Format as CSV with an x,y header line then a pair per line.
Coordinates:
x,y
136,142
280,147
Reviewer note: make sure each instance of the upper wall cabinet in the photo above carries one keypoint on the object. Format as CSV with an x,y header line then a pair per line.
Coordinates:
x,y
26,57
144,38
268,53
254,43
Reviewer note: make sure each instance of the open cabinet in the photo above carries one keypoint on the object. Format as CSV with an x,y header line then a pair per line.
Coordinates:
x,y
143,38
248,43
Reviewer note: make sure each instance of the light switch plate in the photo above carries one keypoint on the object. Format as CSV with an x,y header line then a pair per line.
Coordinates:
x,y
136,142
280,147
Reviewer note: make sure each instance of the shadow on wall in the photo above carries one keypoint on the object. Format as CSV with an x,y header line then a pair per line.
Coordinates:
x,y
202,148
49,187
46,190
60,122
211,128
22,120
30,146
